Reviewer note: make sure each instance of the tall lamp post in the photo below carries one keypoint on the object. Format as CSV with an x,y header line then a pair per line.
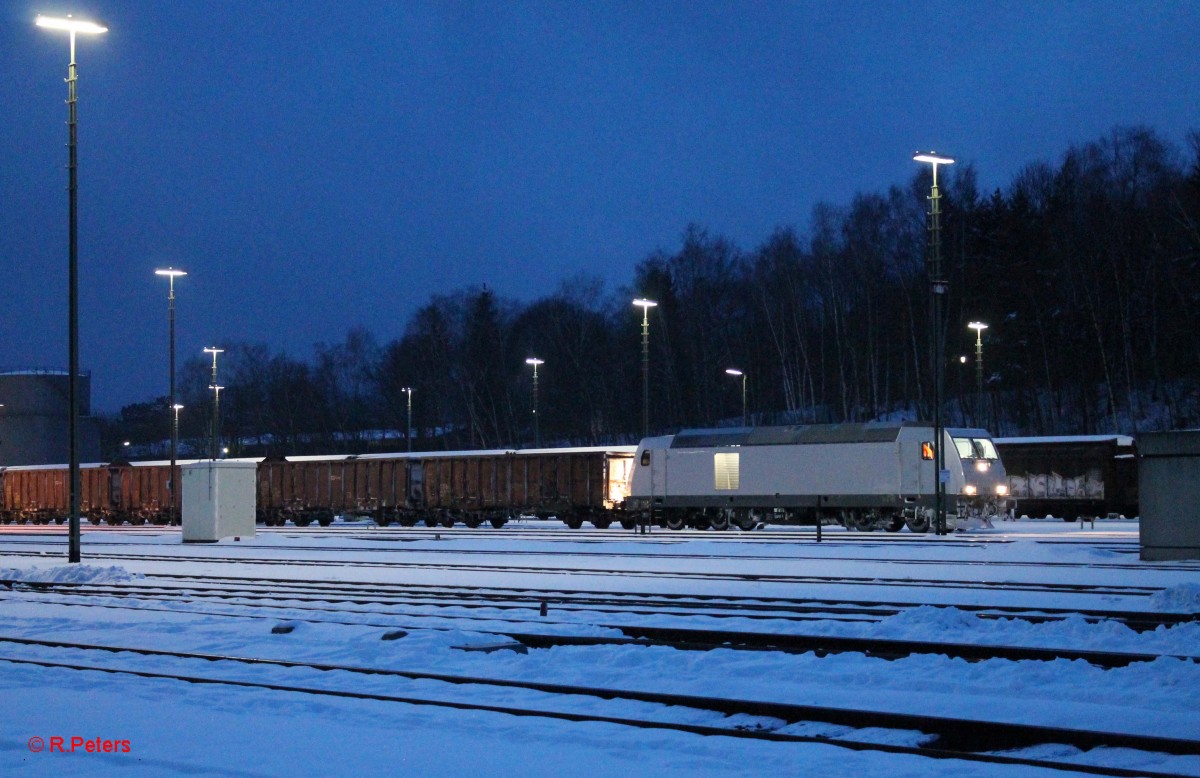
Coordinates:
x,y
216,410
171,274
739,374
938,287
645,305
408,436
537,436
979,327
72,26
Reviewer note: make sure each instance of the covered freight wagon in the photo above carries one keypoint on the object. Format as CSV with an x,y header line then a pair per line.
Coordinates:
x,y
1072,476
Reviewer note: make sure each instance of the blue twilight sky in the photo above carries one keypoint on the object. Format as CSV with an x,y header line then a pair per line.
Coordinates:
x,y
318,165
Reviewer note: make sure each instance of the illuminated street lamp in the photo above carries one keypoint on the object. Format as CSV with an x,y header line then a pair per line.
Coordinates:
x,y
739,374
408,436
216,410
72,26
645,305
537,436
979,327
171,274
938,287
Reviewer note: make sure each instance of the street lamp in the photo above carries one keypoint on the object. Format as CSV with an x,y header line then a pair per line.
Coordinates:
x,y
938,288
171,274
216,411
72,26
739,374
979,327
645,305
408,436
537,437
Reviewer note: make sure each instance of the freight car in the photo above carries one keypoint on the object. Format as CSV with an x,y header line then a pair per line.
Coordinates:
x,y
864,476
1072,477
115,492
471,487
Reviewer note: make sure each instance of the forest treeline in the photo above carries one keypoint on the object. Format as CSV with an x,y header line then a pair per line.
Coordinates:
x,y
1087,273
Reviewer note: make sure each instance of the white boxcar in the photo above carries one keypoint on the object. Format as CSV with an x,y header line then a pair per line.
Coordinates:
x,y
862,475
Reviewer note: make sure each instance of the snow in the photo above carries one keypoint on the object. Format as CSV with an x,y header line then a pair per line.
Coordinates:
x,y
185,729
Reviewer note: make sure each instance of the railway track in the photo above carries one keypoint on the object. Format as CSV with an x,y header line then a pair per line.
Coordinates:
x,y
639,603
973,740
679,637
791,556
691,575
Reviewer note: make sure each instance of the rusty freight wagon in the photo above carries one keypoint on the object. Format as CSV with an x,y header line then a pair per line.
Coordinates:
x,y
468,487
572,484
114,493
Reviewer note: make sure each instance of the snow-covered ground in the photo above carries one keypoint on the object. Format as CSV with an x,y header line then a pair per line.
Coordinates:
x,y
168,727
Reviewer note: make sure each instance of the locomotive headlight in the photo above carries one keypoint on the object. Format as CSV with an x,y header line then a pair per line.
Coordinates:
x,y
982,466
969,490
1001,489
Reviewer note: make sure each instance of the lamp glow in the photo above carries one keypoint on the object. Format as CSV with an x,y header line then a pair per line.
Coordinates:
x,y
932,157
69,24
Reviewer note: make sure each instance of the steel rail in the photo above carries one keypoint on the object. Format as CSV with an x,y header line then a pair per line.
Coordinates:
x,y
956,738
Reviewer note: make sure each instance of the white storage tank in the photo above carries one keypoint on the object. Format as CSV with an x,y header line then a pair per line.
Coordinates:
x,y
218,500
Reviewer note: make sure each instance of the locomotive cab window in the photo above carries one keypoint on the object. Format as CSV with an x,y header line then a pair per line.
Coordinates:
x,y
975,448
645,457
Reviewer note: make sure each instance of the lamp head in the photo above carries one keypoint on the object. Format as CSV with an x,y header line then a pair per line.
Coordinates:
x,y
734,371
172,272
641,303
535,361
978,326
932,157
69,24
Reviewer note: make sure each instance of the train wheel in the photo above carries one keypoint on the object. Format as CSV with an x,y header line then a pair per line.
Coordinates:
x,y
745,521
720,522
574,522
431,521
447,520
601,523
628,523
919,523
674,521
472,521
406,521
382,518
895,524
498,522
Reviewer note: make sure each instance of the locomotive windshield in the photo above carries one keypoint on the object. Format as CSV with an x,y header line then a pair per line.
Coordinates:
x,y
975,448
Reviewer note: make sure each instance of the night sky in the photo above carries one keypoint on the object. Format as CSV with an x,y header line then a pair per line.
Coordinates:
x,y
320,165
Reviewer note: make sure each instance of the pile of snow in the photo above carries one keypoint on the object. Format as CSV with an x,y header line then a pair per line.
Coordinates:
x,y
1184,598
70,574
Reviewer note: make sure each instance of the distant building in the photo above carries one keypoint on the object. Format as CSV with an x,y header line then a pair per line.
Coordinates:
x,y
35,418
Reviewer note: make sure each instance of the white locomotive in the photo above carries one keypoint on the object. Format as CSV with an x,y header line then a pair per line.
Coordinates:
x,y
864,476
